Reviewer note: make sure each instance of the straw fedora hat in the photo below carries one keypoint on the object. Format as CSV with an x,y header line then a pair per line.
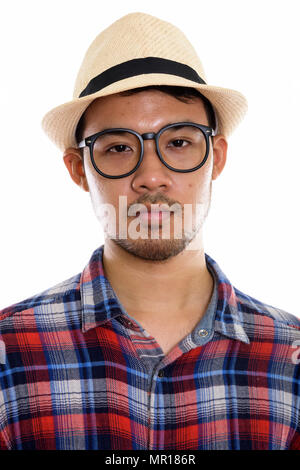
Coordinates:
x,y
139,50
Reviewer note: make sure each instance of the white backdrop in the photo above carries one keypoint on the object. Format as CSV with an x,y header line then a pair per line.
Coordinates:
x,y
48,228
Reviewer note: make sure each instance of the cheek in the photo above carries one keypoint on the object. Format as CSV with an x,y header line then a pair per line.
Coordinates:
x,y
201,186
105,190
105,201
198,187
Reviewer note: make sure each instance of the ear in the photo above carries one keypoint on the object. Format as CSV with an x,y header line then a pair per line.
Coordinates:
x,y
219,155
75,166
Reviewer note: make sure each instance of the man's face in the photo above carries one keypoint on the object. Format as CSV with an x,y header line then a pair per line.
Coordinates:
x,y
153,182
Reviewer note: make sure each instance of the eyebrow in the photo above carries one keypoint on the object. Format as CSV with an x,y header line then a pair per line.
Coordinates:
x,y
181,120
114,132
122,132
177,127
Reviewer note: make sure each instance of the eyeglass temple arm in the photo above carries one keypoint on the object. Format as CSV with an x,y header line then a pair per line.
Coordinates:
x,y
82,144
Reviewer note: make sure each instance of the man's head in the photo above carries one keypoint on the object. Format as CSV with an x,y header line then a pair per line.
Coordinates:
x,y
149,110
139,51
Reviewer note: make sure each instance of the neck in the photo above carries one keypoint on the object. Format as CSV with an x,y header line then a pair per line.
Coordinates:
x,y
149,288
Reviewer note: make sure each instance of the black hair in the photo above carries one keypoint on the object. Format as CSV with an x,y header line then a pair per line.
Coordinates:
x,y
184,94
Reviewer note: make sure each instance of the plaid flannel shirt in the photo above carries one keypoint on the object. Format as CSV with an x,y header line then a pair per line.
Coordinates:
x,y
77,372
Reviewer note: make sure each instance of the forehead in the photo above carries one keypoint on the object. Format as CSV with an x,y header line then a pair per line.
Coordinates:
x,y
149,109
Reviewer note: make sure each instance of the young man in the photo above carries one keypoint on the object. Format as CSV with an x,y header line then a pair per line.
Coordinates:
x,y
150,347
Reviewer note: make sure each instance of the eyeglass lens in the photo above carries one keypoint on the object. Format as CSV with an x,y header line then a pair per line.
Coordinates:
x,y
181,147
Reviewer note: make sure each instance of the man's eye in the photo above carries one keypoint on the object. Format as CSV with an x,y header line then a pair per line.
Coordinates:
x,y
119,148
178,143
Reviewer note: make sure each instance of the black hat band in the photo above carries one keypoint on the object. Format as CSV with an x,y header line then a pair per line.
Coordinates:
x,y
135,67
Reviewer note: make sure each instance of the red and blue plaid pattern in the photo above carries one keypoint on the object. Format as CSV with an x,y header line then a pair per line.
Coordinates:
x,y
79,373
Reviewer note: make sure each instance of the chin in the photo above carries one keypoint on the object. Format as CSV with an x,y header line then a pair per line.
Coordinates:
x,y
154,249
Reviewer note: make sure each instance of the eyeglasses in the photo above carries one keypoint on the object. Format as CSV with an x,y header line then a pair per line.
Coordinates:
x,y
118,152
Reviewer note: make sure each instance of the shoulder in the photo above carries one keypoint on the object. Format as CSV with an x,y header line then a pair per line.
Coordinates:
x,y
246,310
263,317
52,295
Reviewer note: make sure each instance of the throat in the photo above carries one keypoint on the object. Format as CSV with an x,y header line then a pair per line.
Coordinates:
x,y
169,328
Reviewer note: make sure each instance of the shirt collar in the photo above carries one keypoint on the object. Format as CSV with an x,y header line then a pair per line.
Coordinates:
x,y
100,303
229,313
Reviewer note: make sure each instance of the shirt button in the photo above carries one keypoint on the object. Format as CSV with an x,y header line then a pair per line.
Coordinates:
x,y
202,333
160,373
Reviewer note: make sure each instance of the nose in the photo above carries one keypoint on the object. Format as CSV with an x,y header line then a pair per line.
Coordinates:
x,y
152,175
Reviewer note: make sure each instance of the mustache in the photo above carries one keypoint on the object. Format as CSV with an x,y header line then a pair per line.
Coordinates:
x,y
158,198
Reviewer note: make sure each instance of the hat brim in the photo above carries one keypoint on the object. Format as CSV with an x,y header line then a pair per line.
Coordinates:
x,y
60,123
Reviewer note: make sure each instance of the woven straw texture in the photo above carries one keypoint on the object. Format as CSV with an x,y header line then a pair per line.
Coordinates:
x,y
134,36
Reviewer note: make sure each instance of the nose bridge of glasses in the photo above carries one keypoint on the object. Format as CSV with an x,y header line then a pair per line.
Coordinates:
x,y
148,135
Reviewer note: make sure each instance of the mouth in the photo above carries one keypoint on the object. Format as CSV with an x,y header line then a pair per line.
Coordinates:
x,y
154,214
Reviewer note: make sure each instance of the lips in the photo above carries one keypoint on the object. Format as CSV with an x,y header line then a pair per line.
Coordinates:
x,y
153,215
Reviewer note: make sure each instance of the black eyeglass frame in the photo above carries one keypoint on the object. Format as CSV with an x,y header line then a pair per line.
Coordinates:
x,y
90,141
